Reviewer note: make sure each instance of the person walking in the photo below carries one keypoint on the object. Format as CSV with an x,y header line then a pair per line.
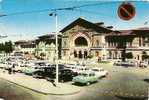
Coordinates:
x,y
9,70
13,68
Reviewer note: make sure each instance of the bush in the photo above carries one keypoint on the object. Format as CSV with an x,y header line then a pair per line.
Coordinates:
x,y
145,56
129,55
90,56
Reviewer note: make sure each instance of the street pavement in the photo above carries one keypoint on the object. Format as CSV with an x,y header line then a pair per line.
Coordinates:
x,y
39,85
121,84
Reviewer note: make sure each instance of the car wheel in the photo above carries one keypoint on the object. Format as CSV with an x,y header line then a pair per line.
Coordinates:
x,y
19,71
88,83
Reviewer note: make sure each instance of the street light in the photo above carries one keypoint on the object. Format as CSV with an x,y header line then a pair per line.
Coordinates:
x,y
56,45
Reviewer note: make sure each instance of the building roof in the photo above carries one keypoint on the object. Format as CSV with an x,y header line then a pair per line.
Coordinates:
x,y
126,32
89,25
137,31
142,29
49,36
25,42
121,33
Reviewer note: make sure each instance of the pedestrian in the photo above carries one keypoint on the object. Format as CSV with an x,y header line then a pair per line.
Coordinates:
x,y
13,68
9,70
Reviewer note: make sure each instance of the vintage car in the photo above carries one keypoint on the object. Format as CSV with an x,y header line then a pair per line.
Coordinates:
x,y
31,70
50,73
85,78
125,64
143,64
100,72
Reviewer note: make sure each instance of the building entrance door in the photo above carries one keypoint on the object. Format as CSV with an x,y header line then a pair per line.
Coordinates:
x,y
85,54
80,54
75,54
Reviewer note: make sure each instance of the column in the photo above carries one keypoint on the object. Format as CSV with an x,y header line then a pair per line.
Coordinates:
x,y
82,53
77,53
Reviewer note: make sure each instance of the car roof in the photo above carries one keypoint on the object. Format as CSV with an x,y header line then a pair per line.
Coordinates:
x,y
87,72
97,68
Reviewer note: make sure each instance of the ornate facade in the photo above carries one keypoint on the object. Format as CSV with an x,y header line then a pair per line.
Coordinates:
x,y
82,39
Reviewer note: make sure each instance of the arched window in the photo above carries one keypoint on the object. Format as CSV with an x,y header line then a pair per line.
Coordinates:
x,y
97,43
81,41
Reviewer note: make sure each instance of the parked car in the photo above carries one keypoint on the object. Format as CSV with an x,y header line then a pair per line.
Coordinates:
x,y
31,70
85,78
100,72
143,64
60,66
117,63
128,64
3,64
125,64
81,69
50,73
20,68
72,67
64,75
45,72
77,68
8,65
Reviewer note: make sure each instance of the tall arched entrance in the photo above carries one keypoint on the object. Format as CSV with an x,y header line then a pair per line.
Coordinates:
x,y
80,47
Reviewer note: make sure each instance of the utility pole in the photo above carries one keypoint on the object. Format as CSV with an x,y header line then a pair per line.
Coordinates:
x,y
56,46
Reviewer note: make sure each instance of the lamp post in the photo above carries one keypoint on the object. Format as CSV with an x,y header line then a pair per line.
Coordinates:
x,y
56,46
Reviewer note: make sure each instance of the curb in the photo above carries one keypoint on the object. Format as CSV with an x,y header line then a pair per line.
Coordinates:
x,y
39,91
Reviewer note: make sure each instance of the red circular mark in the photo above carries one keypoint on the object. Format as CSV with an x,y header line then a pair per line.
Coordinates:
x,y
126,11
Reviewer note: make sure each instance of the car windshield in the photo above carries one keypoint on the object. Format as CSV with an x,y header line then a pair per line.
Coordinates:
x,y
83,74
101,69
95,70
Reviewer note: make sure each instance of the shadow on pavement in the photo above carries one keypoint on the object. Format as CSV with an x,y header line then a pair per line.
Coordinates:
x,y
81,84
146,80
132,98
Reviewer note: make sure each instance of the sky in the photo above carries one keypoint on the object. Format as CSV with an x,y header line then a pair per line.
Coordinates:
x,y
31,25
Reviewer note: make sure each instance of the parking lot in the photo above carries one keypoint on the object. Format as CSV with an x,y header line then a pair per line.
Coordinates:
x,y
120,84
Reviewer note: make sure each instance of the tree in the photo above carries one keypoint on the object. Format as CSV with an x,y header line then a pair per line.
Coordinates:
x,y
90,56
8,47
129,55
1,47
144,55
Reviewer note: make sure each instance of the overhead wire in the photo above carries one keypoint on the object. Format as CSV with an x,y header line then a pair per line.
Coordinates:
x,y
93,12
65,8
73,8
